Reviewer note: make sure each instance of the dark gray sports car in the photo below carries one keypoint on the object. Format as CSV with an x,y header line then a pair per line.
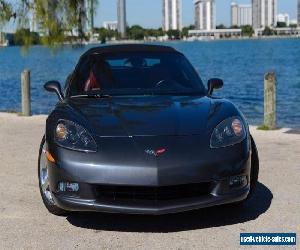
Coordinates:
x,y
135,131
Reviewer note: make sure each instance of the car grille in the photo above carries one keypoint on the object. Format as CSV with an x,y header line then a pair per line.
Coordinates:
x,y
153,193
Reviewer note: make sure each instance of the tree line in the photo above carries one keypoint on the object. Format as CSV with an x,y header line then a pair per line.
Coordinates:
x,y
24,37
56,19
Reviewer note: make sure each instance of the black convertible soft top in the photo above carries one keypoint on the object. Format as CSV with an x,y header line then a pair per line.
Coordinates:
x,y
89,55
119,48
128,48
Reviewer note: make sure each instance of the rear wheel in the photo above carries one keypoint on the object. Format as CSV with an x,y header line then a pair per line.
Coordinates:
x,y
44,182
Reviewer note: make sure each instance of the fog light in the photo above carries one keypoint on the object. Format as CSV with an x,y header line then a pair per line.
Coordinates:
x,y
238,181
68,187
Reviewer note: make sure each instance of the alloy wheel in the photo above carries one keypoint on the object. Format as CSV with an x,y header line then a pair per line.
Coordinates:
x,y
44,177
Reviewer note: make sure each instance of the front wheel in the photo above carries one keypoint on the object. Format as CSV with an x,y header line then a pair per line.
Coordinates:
x,y
44,182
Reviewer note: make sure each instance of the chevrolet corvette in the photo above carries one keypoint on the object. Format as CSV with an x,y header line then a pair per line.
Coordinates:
x,y
136,131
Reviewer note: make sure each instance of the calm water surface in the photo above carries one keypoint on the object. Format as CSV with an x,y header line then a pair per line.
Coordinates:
x,y
241,64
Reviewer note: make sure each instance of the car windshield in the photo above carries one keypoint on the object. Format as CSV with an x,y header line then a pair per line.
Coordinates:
x,y
136,73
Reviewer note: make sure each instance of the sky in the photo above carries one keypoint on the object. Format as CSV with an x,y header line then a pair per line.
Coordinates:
x,y
148,13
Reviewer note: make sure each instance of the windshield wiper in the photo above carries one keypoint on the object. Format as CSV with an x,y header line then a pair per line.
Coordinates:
x,y
96,95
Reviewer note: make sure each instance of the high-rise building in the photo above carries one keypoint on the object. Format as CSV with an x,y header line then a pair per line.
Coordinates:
x,y
122,18
241,15
284,18
205,14
294,22
234,14
299,13
33,24
89,6
3,40
245,15
110,25
86,17
264,13
172,15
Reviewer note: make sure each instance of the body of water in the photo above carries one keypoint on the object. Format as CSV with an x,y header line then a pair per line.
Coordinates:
x,y
241,64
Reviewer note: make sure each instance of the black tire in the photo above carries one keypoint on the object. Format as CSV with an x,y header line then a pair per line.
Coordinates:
x,y
254,168
52,208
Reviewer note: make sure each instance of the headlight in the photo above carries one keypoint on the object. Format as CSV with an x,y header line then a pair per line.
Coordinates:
x,y
73,136
229,132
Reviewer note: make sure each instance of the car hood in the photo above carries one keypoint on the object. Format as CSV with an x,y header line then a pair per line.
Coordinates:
x,y
145,116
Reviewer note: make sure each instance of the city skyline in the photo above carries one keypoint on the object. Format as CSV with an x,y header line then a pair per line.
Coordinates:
x,y
142,14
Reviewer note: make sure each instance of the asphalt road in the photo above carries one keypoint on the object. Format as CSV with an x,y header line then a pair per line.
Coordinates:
x,y
26,224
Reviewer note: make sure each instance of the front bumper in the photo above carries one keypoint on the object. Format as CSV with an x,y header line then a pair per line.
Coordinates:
x,y
89,198
172,173
73,203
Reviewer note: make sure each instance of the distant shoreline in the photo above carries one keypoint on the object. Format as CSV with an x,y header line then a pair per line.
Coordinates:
x,y
267,38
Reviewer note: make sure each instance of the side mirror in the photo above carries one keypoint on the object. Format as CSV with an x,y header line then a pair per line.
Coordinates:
x,y
54,87
214,83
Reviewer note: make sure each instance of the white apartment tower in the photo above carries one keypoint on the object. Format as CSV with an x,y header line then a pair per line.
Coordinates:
x,y
122,23
205,14
284,18
245,15
234,14
110,25
264,13
172,15
241,15
89,17
298,13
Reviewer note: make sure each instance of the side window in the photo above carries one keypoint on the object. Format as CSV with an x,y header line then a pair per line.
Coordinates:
x,y
81,75
152,61
116,62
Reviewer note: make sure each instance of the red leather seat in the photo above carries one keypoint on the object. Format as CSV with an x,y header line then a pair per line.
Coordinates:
x,y
100,77
91,83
